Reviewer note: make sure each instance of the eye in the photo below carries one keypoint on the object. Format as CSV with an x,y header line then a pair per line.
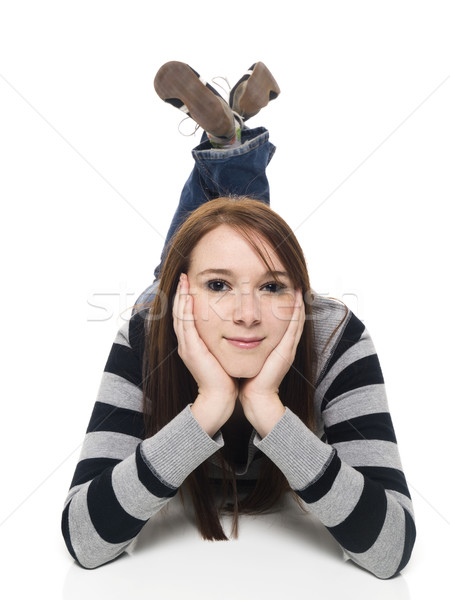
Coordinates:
x,y
273,287
217,285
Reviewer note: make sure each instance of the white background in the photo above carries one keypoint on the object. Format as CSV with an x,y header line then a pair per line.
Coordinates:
x,y
91,166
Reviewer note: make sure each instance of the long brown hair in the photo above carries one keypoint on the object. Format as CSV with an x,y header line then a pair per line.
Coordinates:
x,y
168,385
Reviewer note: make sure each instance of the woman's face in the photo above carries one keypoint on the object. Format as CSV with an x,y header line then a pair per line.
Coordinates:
x,y
240,312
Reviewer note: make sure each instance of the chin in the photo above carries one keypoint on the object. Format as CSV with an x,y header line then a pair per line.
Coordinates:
x,y
243,371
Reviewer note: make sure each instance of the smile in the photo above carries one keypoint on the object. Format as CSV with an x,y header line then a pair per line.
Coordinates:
x,y
245,343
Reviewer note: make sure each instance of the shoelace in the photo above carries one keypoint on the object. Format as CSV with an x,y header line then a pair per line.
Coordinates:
x,y
197,127
221,86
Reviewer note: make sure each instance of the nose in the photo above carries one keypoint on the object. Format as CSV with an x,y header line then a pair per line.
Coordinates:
x,y
247,310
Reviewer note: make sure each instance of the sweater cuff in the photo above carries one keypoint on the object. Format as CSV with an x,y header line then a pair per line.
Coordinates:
x,y
179,448
296,451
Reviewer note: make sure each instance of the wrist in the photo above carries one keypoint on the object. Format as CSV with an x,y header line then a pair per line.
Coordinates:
x,y
211,414
264,413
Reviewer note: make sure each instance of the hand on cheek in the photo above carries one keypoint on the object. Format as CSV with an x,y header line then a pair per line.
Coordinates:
x,y
259,395
217,391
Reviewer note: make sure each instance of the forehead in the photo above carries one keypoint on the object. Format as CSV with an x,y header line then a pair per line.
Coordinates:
x,y
224,247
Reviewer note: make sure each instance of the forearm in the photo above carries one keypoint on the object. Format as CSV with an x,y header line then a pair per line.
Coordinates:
x,y
370,523
265,414
104,515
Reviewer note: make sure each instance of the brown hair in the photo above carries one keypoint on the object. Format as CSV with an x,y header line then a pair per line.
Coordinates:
x,y
168,385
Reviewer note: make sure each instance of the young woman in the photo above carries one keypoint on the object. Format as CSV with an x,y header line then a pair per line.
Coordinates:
x,y
232,370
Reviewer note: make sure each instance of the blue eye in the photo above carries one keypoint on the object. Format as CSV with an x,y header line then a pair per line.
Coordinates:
x,y
217,285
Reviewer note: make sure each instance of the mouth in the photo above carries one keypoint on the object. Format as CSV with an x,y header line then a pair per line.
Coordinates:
x,y
245,343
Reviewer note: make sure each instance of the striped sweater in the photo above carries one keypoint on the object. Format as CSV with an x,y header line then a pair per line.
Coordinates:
x,y
348,473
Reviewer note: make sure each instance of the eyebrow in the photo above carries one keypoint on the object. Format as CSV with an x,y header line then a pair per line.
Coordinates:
x,y
229,273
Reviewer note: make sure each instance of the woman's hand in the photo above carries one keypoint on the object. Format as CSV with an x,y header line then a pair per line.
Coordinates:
x,y
259,395
217,391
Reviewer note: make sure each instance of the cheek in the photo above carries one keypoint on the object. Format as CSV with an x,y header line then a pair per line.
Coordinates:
x,y
207,320
200,311
277,311
278,330
212,309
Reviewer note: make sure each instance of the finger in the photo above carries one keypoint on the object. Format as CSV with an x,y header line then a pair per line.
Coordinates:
x,y
298,329
193,344
176,318
181,291
176,302
188,304
188,313
178,310
299,316
289,342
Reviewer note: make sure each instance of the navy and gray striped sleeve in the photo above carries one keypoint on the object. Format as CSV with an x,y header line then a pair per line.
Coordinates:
x,y
122,479
352,479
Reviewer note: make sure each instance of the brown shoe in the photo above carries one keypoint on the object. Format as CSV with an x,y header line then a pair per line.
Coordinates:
x,y
178,84
253,91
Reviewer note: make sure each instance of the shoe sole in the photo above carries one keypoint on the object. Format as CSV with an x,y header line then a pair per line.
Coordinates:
x,y
178,81
260,90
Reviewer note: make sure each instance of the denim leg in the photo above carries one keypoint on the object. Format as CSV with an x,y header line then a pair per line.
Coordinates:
x,y
238,171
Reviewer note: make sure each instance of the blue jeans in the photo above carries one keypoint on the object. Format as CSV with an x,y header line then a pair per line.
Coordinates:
x,y
238,171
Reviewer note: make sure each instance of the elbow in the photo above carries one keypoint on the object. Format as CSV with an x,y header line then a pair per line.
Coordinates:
x,y
410,538
88,564
86,559
89,553
387,558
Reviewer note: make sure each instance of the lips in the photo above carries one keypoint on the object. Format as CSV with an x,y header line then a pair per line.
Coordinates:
x,y
245,343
